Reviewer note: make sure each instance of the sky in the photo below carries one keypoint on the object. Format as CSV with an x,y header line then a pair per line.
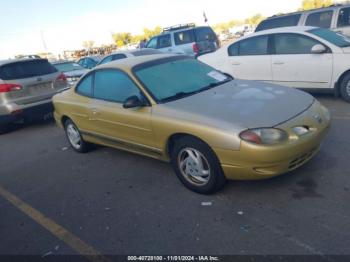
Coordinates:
x,y
32,26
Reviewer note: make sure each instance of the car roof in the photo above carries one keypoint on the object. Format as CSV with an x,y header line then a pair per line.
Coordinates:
x,y
309,11
129,63
290,29
10,61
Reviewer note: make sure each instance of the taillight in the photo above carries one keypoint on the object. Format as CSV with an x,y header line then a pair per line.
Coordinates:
x,y
62,77
195,48
5,88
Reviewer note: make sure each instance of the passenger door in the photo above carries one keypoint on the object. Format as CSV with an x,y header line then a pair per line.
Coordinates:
x,y
113,123
294,65
250,59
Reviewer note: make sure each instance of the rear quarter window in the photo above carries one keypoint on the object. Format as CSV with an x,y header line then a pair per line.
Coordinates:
x,y
284,21
184,37
26,69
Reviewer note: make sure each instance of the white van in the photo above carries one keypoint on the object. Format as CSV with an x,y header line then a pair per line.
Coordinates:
x,y
335,18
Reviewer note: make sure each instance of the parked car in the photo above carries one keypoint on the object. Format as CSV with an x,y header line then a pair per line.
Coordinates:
x,y
72,70
335,18
209,126
89,61
125,54
26,89
185,39
302,57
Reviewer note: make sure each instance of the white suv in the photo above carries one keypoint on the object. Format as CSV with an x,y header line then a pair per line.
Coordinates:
x,y
301,57
185,39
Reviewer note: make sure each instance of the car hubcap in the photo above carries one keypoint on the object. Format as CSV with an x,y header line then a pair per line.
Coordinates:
x,y
194,166
348,88
74,136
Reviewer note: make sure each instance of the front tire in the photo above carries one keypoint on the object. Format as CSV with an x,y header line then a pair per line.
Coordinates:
x,y
345,88
197,166
75,138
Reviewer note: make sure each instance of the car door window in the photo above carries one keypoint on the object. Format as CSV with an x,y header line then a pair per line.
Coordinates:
x,y
233,49
320,19
106,60
164,41
118,57
184,37
85,86
152,43
293,44
344,17
290,20
113,85
254,46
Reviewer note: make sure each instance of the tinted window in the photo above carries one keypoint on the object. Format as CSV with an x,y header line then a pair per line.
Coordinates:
x,y
332,37
26,69
152,43
184,37
344,17
254,46
204,34
85,86
290,20
233,49
164,41
320,19
118,56
112,85
90,63
106,60
293,44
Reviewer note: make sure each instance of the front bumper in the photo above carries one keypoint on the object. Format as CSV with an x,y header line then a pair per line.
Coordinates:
x,y
254,162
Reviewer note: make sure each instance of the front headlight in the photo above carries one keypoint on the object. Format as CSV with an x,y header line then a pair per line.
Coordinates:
x,y
264,136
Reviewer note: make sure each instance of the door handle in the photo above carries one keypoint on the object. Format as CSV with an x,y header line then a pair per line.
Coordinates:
x,y
94,111
278,63
236,63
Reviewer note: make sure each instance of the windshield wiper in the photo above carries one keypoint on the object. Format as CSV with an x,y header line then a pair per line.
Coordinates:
x,y
178,95
211,85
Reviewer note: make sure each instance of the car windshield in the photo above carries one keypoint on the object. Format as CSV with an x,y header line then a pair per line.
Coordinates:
x,y
332,37
174,78
69,66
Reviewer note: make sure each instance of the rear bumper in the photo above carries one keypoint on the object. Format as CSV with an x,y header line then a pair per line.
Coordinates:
x,y
28,113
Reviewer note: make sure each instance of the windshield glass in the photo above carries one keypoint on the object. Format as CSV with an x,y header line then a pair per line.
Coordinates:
x,y
176,78
332,37
69,66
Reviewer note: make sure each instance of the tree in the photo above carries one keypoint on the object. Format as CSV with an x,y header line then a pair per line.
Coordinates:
x,y
312,4
122,39
88,44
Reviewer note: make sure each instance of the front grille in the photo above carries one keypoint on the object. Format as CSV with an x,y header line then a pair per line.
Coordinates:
x,y
300,160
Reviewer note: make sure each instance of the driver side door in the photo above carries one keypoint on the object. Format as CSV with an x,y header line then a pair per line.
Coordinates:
x,y
112,123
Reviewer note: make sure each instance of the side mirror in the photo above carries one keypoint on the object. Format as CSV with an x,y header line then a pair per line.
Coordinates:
x,y
318,49
133,101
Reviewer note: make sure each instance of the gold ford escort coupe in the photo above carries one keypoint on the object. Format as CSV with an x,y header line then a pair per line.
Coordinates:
x,y
208,125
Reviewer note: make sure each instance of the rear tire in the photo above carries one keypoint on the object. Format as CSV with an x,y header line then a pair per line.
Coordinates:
x,y
345,87
75,138
197,166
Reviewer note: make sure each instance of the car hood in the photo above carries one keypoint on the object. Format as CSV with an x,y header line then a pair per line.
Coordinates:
x,y
76,73
240,104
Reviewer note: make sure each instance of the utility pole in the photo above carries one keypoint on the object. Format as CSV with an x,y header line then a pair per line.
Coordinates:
x,y
43,40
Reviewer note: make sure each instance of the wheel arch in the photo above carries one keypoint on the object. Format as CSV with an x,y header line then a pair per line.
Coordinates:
x,y
338,83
